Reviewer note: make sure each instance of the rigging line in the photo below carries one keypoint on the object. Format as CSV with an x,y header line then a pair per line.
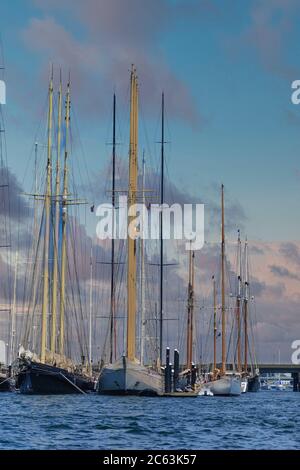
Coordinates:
x,y
29,315
73,232
68,304
85,340
41,121
7,221
30,249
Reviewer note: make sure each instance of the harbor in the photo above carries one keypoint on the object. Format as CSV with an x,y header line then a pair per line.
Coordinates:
x,y
149,248
44,366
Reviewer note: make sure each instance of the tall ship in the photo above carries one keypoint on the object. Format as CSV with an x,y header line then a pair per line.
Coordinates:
x,y
224,382
128,375
43,365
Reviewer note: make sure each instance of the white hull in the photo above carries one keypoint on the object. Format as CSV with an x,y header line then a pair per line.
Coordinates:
x,y
226,386
126,377
244,385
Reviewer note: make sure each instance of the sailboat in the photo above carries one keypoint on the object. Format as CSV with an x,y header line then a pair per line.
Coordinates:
x,y
51,371
224,382
252,375
244,381
127,375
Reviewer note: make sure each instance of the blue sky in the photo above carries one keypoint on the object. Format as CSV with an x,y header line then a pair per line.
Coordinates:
x,y
234,61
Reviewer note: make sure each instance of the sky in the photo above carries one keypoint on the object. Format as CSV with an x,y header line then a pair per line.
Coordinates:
x,y
226,69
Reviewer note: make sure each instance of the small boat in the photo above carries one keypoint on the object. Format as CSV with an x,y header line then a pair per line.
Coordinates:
x,y
205,392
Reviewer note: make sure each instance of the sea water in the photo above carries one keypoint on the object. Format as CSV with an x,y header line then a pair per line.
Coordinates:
x,y
263,420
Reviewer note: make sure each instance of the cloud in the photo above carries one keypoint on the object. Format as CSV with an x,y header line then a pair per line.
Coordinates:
x,y
111,40
291,252
256,250
281,271
13,204
271,23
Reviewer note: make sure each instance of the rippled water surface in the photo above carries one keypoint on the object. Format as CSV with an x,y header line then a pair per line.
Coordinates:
x,y
264,420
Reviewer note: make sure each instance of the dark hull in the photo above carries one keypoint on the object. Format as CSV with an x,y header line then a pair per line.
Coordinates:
x,y
5,384
43,379
253,384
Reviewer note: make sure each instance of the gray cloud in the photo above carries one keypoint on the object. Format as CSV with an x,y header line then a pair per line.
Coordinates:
x,y
283,272
269,26
12,203
255,250
112,40
291,252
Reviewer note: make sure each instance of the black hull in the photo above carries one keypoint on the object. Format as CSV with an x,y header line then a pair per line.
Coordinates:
x,y
253,384
42,379
5,385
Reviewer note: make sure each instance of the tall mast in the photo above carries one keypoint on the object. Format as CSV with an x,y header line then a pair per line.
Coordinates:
x,y
246,298
112,279
47,224
215,324
64,227
131,242
35,224
161,279
142,247
56,224
91,308
223,285
190,319
13,314
238,303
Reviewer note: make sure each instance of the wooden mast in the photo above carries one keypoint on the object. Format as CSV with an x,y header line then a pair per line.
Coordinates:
x,y
47,224
161,274
142,255
131,242
13,315
238,305
223,285
91,310
112,278
64,228
190,319
56,224
246,298
215,324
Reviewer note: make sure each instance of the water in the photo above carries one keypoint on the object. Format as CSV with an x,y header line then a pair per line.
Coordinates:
x,y
263,420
